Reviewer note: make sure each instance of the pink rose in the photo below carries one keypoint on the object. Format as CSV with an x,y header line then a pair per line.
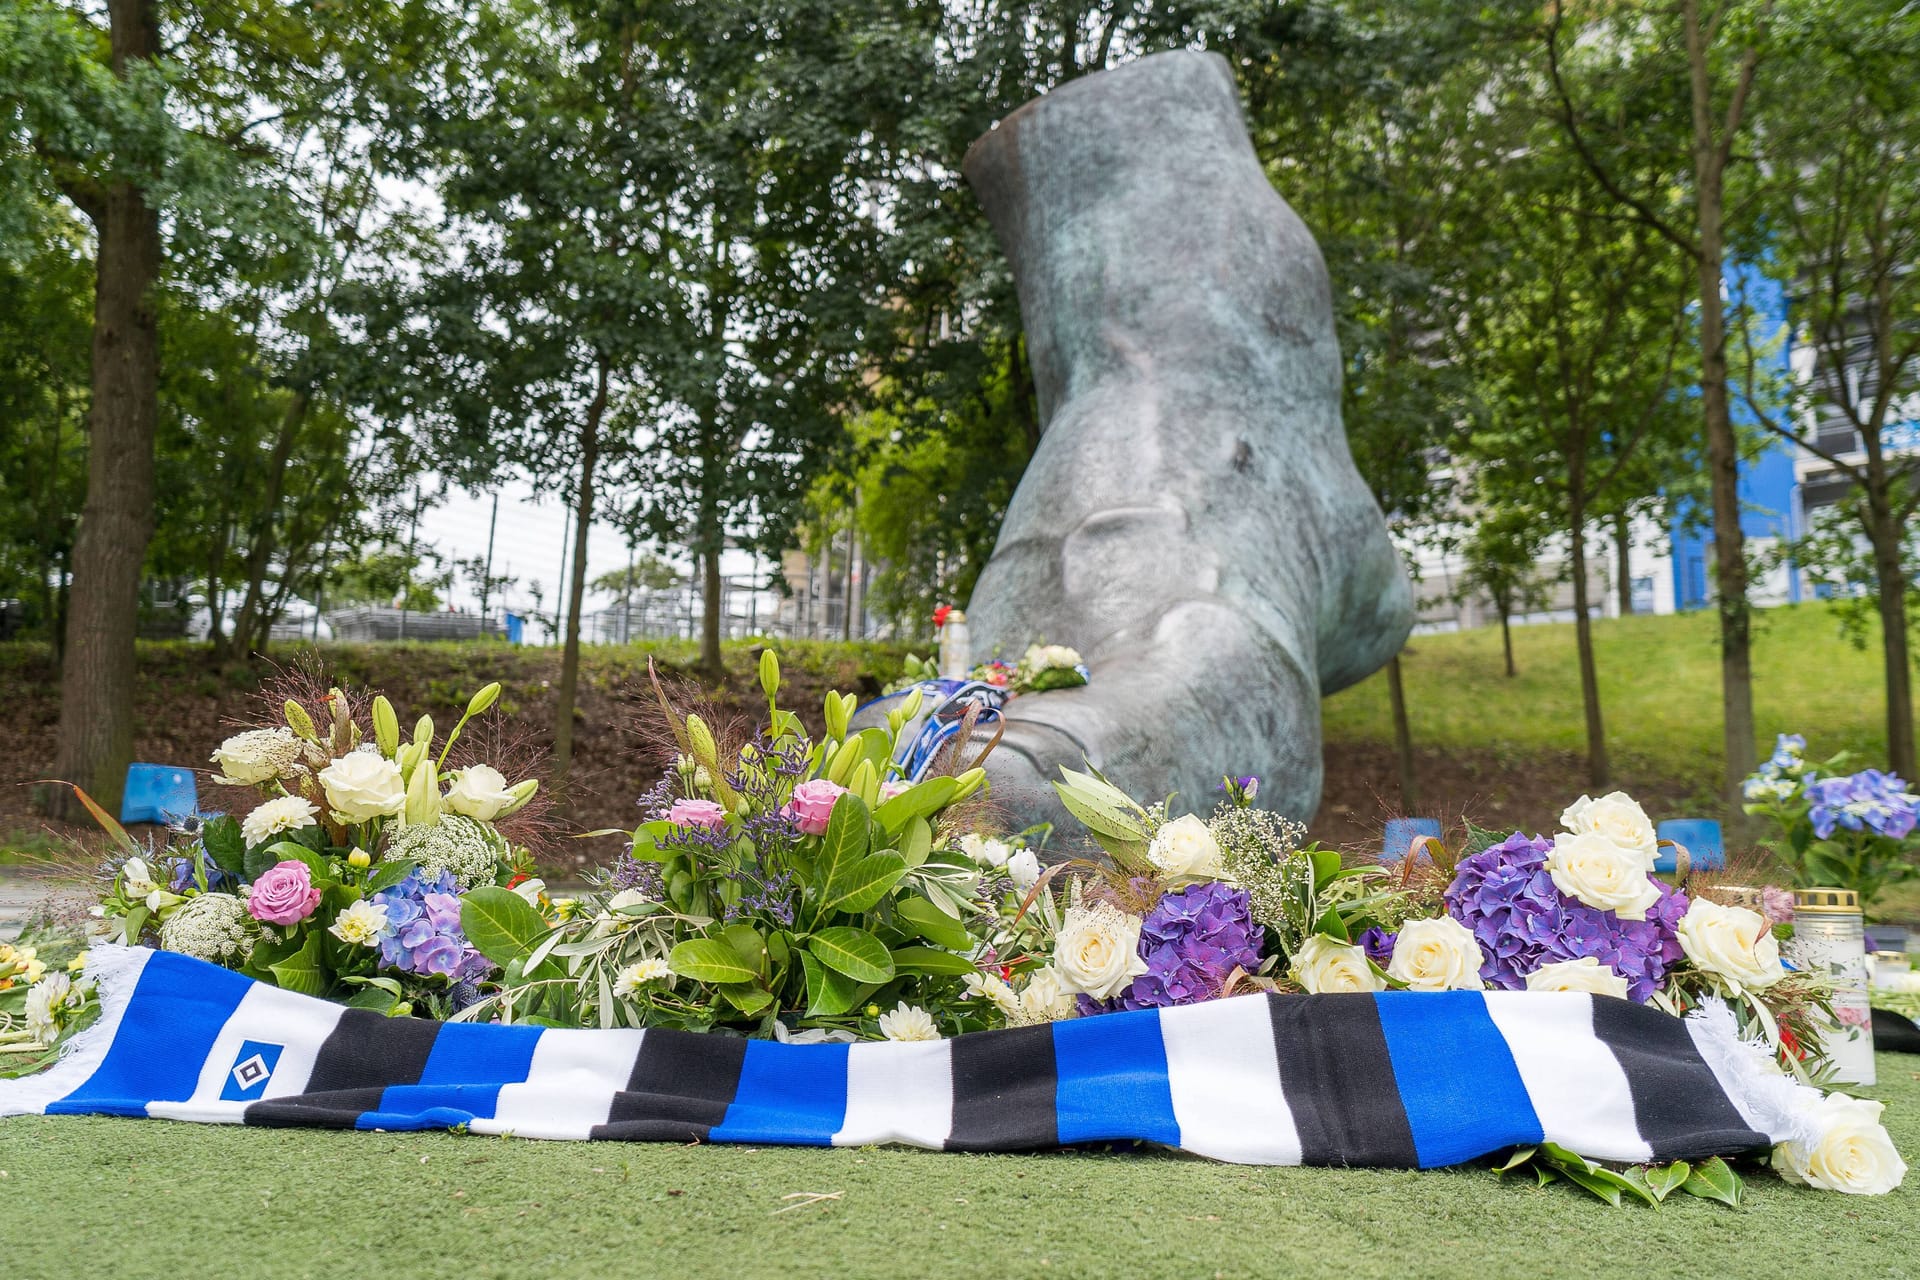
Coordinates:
x,y
697,813
812,805
284,894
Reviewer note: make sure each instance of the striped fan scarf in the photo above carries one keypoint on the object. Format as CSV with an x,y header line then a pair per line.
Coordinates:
x,y
1397,1079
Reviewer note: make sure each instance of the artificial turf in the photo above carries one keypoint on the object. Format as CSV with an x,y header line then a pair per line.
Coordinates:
x,y
138,1198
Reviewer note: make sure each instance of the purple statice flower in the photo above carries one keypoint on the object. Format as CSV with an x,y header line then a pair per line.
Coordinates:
x,y
1378,944
775,898
423,930
1192,940
1507,897
629,872
1866,801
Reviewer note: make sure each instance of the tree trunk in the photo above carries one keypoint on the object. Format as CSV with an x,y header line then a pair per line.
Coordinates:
x,y
260,553
710,659
1402,739
1623,549
1506,642
1723,457
582,521
1891,578
116,522
1583,639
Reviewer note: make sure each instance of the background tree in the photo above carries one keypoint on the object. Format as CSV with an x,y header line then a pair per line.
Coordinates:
x,y
1501,552
1676,78
1844,239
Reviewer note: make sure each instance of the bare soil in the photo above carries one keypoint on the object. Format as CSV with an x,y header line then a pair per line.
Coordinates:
x,y
188,702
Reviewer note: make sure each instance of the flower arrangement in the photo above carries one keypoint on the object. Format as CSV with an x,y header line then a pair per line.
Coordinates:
x,y
1850,830
349,877
43,997
781,886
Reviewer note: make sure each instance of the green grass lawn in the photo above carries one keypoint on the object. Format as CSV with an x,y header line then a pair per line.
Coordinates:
x,y
151,1198
1659,690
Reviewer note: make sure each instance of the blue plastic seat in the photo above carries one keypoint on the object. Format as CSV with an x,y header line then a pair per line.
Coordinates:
x,y
1702,840
1402,832
158,793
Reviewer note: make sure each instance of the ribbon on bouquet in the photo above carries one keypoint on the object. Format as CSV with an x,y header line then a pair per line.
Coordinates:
x,y
1395,1079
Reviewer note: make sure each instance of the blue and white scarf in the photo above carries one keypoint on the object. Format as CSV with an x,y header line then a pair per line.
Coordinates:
x,y
1397,1079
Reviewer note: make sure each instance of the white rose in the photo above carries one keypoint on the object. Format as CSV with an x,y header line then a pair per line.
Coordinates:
x,y
1324,966
1603,874
480,791
1057,655
1024,870
1619,818
1584,974
1045,998
281,814
984,850
362,785
1436,955
908,1022
1184,847
256,756
1853,1153
1734,943
1096,952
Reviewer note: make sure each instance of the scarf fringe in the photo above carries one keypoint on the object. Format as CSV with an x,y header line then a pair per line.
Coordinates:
x,y
115,971
1771,1101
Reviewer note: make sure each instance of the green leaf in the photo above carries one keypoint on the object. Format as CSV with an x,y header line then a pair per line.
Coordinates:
x,y
136,921
1636,1178
747,944
266,857
829,994
710,960
844,842
1664,1180
746,997
1713,1179
1326,866
646,842
916,841
372,998
918,801
933,924
499,922
932,960
302,971
225,845
860,886
386,875
854,952
1519,1157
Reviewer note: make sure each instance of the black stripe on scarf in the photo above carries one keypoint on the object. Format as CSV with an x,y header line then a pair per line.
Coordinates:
x,y
1004,1083
681,1086
1338,1081
366,1054
1678,1105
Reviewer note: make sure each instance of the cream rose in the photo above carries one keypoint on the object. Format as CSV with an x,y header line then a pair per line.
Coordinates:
x,y
481,791
1619,818
1324,966
1184,847
362,785
1603,874
1097,951
1436,955
256,756
1585,974
1734,943
1045,998
1853,1153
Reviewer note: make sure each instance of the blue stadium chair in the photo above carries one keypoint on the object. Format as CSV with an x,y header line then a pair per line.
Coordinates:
x,y
158,793
1703,842
1402,832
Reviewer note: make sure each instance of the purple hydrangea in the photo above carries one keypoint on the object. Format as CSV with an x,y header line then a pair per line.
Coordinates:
x,y
423,933
1192,940
1866,801
1507,897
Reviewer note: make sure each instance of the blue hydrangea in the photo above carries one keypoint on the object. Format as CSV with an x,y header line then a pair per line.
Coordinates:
x,y
423,934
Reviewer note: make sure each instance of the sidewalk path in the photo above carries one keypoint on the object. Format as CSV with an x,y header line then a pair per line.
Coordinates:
x,y
18,896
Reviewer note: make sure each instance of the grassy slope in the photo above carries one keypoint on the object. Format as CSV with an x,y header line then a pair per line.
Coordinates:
x,y
1659,691
140,1198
